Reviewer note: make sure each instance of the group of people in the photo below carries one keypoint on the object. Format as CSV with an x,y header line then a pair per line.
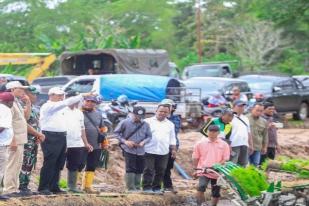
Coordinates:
x,y
242,139
149,147
69,129
71,132
217,100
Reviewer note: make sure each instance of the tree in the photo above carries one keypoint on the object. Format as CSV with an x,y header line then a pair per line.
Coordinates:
x,y
258,44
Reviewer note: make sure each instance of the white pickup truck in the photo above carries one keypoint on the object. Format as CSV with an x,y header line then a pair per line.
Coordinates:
x,y
174,89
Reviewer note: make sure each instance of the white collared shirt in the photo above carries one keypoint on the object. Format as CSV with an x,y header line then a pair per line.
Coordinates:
x,y
163,135
75,117
52,114
240,131
6,135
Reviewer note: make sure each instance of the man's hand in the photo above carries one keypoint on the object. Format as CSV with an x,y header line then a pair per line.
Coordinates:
x,y
173,154
89,147
26,99
13,145
40,138
141,144
129,143
194,175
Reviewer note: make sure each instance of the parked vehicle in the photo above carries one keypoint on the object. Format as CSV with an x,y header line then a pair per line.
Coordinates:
x,y
304,79
53,81
11,77
208,70
40,61
116,61
119,109
288,94
148,90
211,85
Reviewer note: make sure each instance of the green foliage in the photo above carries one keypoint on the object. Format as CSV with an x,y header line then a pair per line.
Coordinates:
x,y
63,184
292,62
251,180
299,166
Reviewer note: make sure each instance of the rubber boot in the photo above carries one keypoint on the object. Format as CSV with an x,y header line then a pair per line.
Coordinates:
x,y
138,180
130,182
89,176
72,180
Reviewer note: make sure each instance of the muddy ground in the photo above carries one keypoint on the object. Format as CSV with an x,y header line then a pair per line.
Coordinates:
x,y
294,143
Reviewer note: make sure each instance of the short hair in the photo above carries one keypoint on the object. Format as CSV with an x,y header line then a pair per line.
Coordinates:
x,y
268,104
164,105
227,111
258,104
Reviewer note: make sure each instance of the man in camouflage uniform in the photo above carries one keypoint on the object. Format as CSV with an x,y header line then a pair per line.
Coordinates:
x,y
31,147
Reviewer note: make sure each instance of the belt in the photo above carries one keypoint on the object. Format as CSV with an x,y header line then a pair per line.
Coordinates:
x,y
54,133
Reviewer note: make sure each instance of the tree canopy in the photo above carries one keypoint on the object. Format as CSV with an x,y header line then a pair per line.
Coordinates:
x,y
258,34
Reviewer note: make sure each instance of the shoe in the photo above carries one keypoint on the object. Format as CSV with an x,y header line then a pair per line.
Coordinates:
x,y
14,194
158,192
170,190
45,192
4,197
130,181
24,193
88,180
148,191
72,181
59,191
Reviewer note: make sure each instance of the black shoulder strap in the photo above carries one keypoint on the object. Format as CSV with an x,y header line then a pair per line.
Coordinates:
x,y
241,120
92,122
134,131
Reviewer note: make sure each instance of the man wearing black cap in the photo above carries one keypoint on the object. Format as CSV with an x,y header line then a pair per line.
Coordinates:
x,y
241,141
132,134
206,153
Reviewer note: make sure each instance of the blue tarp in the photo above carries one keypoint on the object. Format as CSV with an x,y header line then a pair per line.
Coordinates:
x,y
147,88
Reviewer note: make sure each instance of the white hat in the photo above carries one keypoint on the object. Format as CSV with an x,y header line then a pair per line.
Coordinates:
x,y
15,84
55,90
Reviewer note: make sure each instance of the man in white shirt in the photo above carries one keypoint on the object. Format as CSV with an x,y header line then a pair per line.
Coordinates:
x,y
6,131
241,140
157,150
54,126
77,144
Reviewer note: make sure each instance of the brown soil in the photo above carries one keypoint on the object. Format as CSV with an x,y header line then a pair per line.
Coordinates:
x,y
294,143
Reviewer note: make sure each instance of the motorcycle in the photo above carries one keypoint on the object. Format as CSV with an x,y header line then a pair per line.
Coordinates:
x,y
116,111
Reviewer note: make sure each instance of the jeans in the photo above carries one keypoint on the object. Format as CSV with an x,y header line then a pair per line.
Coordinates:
x,y
255,158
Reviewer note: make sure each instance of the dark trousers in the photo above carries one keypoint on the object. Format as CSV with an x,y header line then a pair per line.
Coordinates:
x,y
53,148
75,158
91,160
167,181
270,154
154,171
134,163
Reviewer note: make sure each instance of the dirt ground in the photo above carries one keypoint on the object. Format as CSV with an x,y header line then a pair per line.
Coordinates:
x,y
294,143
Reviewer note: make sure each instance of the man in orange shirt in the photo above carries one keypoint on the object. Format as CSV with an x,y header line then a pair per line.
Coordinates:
x,y
206,153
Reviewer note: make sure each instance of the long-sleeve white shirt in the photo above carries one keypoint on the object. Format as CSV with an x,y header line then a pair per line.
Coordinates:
x,y
52,117
163,135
